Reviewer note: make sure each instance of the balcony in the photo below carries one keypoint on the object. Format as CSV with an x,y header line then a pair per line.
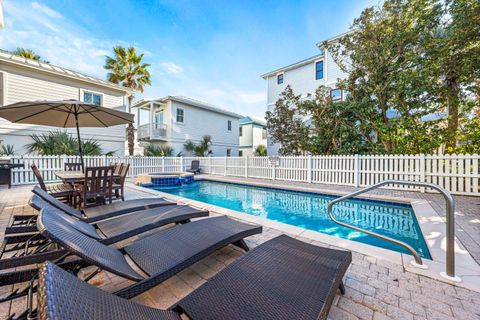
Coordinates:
x,y
154,132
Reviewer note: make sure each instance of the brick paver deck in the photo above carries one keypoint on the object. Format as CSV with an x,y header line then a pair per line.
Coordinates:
x,y
376,289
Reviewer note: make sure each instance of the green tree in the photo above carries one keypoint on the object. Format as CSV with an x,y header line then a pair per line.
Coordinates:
x,y
286,124
127,69
384,58
27,53
152,150
336,127
202,149
61,143
261,151
453,58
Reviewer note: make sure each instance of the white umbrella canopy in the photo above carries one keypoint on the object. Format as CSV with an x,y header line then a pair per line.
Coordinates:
x,y
64,114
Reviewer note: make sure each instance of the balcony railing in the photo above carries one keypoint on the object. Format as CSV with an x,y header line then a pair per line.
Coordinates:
x,y
157,132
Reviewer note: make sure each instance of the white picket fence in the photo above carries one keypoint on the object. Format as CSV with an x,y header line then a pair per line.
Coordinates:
x,y
456,173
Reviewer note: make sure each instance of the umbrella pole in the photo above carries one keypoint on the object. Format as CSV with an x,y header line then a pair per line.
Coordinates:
x,y
79,142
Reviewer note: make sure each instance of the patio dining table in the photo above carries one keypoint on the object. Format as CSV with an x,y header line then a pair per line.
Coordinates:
x,y
73,177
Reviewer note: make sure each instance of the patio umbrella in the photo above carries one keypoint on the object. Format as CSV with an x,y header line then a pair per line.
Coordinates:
x,y
65,114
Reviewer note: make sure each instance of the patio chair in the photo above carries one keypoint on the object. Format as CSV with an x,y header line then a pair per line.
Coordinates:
x,y
281,279
119,183
194,167
62,191
159,256
34,249
72,166
97,186
27,223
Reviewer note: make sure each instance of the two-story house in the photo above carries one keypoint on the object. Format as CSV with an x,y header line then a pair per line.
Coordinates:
x,y
252,133
304,77
172,120
29,80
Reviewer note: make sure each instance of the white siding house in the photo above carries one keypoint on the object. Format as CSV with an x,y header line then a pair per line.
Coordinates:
x,y
28,80
172,120
304,77
252,134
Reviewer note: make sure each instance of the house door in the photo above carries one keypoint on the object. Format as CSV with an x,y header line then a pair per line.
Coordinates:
x,y
159,119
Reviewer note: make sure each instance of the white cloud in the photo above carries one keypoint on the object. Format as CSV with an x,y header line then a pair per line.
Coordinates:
x,y
170,67
251,97
45,31
46,10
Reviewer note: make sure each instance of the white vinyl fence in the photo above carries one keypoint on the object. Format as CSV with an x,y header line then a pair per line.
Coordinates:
x,y
456,173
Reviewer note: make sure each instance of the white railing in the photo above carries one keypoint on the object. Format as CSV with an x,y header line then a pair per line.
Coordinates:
x,y
158,131
457,173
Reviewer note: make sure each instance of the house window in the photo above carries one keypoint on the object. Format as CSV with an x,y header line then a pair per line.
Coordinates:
x,y
229,152
318,70
280,78
240,131
180,115
229,125
240,153
264,133
93,98
336,94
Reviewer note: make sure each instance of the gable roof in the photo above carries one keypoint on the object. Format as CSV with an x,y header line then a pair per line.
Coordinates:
x,y
249,120
192,102
13,59
292,66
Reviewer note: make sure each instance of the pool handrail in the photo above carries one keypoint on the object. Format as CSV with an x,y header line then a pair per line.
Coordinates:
x,y
450,217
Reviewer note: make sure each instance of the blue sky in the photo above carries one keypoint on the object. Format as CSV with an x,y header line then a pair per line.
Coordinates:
x,y
214,51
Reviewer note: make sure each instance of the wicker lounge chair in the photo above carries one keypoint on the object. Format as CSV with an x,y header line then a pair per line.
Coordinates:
x,y
283,278
23,251
27,223
159,256
194,167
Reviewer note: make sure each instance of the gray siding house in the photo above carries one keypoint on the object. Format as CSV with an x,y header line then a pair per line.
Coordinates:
x,y
29,80
304,77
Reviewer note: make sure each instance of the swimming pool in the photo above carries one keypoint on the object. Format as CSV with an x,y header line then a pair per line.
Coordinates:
x,y
309,211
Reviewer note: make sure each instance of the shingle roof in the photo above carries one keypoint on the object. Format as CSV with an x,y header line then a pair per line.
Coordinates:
x,y
11,58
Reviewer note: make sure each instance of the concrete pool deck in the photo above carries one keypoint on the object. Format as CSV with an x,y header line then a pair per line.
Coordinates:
x,y
376,288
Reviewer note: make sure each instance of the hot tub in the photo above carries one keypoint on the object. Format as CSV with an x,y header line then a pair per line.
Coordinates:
x,y
165,179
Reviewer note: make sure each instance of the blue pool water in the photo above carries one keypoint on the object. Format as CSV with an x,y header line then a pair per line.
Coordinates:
x,y
309,211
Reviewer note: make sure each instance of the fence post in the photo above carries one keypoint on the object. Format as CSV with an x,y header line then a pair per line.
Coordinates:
x,y
246,166
210,171
422,171
181,164
163,164
309,168
105,160
356,171
225,173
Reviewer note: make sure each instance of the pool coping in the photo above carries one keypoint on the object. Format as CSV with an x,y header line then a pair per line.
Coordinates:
x,y
431,224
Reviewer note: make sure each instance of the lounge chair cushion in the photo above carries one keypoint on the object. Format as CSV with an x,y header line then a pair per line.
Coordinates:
x,y
186,243
122,207
64,297
282,279
146,218
85,247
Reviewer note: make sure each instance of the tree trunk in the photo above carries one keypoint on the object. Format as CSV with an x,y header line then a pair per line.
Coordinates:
x,y
453,113
130,129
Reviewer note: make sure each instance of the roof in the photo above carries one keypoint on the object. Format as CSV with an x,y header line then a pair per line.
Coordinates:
x,y
13,59
249,120
333,39
191,102
292,66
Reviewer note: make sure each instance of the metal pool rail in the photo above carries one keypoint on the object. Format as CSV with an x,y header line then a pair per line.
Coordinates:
x,y
450,208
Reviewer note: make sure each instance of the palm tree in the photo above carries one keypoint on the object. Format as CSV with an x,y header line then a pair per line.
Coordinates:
x,y
126,68
152,150
199,150
26,53
61,143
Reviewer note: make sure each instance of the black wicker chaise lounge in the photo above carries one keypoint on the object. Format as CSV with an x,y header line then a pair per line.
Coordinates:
x,y
159,256
26,223
283,278
36,249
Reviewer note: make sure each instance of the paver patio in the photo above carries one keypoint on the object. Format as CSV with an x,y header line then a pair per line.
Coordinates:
x,y
376,289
